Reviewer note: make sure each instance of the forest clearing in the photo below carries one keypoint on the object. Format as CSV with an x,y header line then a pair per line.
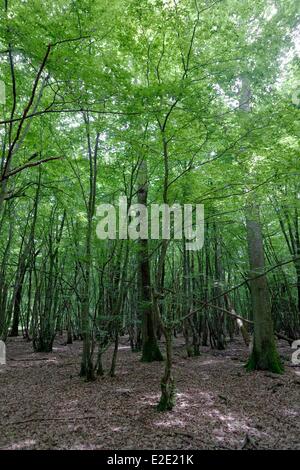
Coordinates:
x,y
149,225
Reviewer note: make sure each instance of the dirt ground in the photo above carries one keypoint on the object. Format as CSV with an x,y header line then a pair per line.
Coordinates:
x,y
44,404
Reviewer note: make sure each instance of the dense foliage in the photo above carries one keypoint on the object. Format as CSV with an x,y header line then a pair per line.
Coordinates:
x,y
184,101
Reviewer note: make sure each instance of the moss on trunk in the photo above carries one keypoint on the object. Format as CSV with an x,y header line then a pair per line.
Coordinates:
x,y
167,399
151,351
264,354
168,391
265,359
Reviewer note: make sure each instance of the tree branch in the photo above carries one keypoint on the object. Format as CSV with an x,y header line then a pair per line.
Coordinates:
x,y
28,165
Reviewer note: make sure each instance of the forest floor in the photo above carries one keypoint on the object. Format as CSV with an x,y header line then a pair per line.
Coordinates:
x,y
44,404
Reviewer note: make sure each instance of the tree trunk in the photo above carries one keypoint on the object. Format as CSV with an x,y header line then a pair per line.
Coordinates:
x,y
150,349
167,399
87,367
264,355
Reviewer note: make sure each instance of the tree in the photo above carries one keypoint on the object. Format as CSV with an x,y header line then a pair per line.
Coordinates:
x,y
150,349
264,355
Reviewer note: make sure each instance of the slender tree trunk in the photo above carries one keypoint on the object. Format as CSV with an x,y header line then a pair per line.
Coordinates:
x,y
112,372
218,314
87,367
17,306
167,399
150,349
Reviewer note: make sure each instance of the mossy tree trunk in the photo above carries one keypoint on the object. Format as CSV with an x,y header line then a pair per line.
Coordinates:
x,y
264,354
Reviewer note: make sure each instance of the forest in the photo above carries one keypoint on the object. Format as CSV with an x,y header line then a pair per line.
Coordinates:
x,y
149,224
